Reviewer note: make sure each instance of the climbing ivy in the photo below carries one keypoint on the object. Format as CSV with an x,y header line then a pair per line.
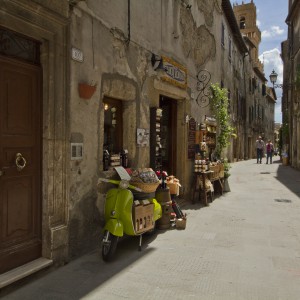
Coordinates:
x,y
219,107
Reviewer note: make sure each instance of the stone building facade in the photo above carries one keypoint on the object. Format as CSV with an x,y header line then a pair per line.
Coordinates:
x,y
260,99
291,86
165,59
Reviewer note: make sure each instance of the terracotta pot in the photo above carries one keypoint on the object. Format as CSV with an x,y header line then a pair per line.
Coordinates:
x,y
86,91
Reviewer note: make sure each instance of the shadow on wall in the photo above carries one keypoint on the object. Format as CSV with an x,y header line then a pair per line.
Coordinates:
x,y
289,177
85,226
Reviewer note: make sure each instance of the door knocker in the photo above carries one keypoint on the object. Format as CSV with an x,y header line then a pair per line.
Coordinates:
x,y
20,162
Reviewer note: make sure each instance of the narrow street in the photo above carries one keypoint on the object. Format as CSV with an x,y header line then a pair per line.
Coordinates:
x,y
244,245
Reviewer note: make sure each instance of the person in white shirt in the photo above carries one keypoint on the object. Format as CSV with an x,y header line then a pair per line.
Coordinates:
x,y
270,150
260,146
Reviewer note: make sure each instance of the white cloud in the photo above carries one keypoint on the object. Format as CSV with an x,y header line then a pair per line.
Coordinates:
x,y
272,61
258,23
274,31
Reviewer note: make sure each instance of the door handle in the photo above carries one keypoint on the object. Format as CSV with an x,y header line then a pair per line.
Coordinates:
x,y
1,173
20,162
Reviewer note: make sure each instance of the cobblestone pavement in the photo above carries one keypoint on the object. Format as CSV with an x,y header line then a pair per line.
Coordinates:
x,y
244,245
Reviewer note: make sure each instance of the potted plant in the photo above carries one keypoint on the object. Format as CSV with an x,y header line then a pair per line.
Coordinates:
x,y
86,90
227,167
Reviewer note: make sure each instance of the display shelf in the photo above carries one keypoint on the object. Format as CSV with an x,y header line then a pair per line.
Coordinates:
x,y
155,138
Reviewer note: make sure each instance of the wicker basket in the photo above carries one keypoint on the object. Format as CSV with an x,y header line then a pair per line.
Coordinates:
x,y
146,187
221,173
215,174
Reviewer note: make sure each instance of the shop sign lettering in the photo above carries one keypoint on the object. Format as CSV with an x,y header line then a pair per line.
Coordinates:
x,y
174,72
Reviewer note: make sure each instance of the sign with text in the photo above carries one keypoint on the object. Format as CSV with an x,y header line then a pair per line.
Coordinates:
x,y
174,72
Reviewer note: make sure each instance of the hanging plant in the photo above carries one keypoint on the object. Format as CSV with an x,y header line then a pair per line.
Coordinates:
x,y
219,107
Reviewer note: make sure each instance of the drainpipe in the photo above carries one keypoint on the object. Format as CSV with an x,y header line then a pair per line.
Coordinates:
x,y
246,154
128,21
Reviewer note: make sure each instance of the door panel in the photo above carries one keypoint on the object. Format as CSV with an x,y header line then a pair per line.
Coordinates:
x,y
169,134
20,188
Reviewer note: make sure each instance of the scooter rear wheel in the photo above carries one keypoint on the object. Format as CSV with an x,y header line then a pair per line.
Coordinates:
x,y
109,246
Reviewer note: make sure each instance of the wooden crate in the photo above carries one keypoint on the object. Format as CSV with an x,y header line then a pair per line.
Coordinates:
x,y
143,217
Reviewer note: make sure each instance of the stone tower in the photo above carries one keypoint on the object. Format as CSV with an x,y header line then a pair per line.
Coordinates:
x,y
245,15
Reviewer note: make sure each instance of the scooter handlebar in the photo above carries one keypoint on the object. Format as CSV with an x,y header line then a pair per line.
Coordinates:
x,y
117,182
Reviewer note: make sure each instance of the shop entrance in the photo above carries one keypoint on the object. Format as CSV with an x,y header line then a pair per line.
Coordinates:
x,y
168,134
20,158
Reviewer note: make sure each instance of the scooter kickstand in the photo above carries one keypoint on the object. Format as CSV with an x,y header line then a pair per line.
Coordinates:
x,y
140,243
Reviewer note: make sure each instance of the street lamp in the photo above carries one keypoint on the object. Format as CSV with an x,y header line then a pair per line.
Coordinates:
x,y
273,78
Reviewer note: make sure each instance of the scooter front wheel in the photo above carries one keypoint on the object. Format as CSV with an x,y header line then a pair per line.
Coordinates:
x,y
109,245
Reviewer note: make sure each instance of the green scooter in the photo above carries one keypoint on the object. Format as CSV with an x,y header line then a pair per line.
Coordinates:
x,y
119,214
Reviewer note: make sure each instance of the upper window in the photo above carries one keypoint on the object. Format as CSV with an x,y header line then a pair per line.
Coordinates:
x,y
229,48
223,35
18,46
242,23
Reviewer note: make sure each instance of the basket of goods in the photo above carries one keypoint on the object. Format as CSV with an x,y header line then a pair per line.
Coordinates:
x,y
207,185
173,185
145,179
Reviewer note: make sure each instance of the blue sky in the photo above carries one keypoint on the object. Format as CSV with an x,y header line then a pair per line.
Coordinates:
x,y
271,15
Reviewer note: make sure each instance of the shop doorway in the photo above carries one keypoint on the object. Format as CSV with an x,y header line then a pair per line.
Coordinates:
x,y
20,160
113,125
168,134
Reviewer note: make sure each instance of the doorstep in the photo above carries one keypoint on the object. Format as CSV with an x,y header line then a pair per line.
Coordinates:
x,y
24,271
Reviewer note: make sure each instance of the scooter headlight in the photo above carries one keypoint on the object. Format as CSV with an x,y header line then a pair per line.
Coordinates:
x,y
113,212
123,184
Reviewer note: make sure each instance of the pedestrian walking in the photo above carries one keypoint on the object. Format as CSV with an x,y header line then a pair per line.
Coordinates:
x,y
260,146
270,150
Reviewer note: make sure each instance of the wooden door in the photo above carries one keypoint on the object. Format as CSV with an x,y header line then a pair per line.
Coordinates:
x,y
20,175
169,134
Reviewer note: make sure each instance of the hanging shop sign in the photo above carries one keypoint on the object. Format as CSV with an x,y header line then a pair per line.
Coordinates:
x,y
175,73
191,139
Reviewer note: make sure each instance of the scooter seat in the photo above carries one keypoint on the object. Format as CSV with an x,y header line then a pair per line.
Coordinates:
x,y
142,195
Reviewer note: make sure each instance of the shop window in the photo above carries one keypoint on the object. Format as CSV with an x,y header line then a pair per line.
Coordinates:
x,y
113,126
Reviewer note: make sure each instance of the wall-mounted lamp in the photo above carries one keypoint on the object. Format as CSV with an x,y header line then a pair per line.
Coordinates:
x,y
105,106
273,78
157,62
187,6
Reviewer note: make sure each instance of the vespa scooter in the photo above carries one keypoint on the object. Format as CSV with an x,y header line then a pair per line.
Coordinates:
x,y
119,220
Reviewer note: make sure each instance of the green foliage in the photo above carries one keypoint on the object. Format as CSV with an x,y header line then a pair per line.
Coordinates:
x,y
219,107
227,167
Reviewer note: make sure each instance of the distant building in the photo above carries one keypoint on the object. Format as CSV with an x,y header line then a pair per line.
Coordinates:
x,y
260,99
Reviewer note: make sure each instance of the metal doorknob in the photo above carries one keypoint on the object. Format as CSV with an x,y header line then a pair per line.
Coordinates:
x,y
1,173
20,162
